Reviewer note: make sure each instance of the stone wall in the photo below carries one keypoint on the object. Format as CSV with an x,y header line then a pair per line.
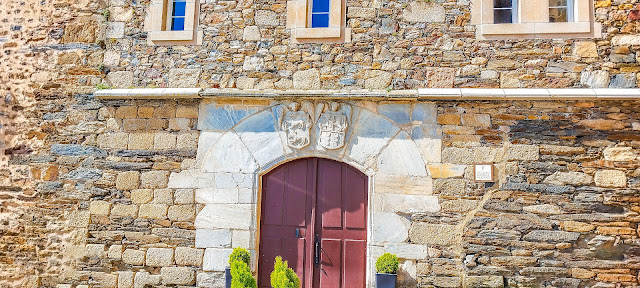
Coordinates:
x,y
32,227
561,214
395,45
564,213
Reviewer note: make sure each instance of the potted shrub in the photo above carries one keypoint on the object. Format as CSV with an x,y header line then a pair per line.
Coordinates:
x,y
241,275
283,276
387,267
238,254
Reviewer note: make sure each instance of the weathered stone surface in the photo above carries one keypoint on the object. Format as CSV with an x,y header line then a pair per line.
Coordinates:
x,y
154,179
457,155
398,158
408,203
523,152
595,79
602,124
551,236
433,234
77,150
159,257
585,49
619,154
543,209
446,170
153,211
407,251
210,279
128,180
120,79
216,259
184,78
488,281
371,133
376,79
120,210
361,12
228,155
624,80
266,18
182,212
133,257
561,150
218,216
189,256
251,33
459,205
178,275
568,178
144,278
610,178
574,226
390,227
423,12
125,279
101,208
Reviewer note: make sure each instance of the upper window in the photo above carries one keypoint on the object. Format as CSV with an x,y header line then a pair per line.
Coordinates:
x,y
320,13
522,19
317,21
504,11
173,22
560,11
177,18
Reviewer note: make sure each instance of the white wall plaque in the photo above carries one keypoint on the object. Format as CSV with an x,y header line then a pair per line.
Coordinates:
x,y
483,172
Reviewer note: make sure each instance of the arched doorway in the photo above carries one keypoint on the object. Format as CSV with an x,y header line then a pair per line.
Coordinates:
x,y
314,215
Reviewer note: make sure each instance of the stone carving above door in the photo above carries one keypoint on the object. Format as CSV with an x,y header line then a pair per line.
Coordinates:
x,y
297,124
332,126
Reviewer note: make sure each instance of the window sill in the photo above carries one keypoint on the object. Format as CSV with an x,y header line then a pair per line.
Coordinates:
x,y
164,38
185,35
314,33
539,30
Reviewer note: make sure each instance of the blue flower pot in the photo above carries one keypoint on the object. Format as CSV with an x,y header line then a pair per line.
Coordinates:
x,y
227,278
384,280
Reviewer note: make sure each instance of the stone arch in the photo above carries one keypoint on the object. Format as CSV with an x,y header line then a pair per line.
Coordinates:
x,y
240,143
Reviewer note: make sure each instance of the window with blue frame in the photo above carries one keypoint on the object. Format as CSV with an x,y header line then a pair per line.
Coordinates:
x,y
320,14
178,15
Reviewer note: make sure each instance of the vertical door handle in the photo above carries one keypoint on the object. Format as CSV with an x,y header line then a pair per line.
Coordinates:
x,y
316,256
297,232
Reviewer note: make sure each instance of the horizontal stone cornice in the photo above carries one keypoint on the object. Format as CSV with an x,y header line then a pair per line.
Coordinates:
x,y
419,94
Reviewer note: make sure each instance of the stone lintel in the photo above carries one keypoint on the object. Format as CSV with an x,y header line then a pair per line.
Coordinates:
x,y
459,94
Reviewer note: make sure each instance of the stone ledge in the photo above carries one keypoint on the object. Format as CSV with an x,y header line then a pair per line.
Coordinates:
x,y
148,93
419,94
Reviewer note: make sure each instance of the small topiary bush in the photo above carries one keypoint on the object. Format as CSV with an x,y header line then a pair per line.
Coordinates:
x,y
241,275
387,263
283,276
240,254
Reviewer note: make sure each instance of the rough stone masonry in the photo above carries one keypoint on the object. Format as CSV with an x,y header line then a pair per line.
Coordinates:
x,y
84,183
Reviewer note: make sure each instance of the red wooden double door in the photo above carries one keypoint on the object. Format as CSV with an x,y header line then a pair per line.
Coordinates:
x,y
314,215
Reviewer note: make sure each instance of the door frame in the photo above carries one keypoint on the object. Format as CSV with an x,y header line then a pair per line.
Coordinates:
x,y
369,265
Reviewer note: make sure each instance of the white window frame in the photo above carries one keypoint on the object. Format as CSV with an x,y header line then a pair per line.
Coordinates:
x,y
158,24
299,21
533,21
514,11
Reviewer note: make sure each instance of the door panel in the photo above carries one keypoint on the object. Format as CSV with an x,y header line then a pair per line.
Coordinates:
x,y
330,263
353,272
315,197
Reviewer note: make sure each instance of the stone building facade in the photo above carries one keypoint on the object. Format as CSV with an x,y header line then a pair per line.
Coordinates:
x,y
153,180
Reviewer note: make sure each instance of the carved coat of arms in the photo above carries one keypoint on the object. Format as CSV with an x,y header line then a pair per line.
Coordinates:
x,y
333,126
296,125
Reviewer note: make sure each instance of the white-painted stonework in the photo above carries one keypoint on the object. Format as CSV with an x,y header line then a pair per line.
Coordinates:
x,y
241,142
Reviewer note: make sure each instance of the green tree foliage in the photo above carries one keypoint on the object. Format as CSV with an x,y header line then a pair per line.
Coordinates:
x,y
387,263
240,254
283,276
241,275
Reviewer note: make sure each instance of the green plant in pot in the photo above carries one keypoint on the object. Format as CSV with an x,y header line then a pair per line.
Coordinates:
x,y
283,276
387,268
238,275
